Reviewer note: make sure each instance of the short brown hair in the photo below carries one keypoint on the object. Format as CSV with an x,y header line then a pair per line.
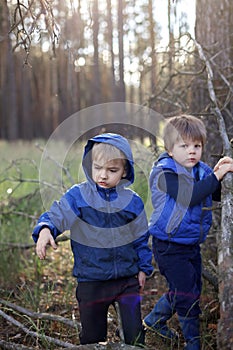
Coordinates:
x,y
183,127
101,150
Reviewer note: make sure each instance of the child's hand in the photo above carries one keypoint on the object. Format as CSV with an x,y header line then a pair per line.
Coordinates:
x,y
224,160
223,166
45,238
142,280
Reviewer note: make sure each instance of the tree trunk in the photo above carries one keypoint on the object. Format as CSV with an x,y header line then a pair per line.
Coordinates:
x,y
110,44
171,37
213,30
8,80
152,43
55,94
3,68
96,73
225,267
121,94
214,24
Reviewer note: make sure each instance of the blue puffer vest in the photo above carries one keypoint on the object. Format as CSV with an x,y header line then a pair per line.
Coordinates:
x,y
171,220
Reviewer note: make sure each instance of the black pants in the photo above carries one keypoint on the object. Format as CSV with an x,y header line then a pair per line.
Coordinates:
x,y
181,265
94,299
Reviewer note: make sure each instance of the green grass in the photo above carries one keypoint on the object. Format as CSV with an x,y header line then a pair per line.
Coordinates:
x,y
25,192
20,205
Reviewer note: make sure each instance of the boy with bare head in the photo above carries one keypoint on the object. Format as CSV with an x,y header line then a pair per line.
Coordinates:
x,y
182,188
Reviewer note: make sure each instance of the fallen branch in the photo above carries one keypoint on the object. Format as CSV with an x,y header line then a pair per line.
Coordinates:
x,y
109,346
64,345
41,315
35,334
12,346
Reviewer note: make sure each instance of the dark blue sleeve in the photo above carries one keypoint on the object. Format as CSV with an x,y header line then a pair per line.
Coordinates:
x,y
139,227
172,184
60,217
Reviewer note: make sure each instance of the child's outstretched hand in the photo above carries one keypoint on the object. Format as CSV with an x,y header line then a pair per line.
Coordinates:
x,y
223,166
45,238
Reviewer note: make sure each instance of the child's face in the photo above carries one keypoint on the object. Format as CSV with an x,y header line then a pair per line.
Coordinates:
x,y
187,152
107,174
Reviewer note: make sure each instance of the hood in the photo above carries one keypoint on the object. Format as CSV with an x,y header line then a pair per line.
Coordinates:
x,y
116,140
162,156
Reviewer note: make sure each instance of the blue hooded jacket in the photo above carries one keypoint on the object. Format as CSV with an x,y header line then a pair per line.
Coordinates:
x,y
108,227
176,220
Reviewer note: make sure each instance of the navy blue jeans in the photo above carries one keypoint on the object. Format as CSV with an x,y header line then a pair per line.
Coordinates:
x,y
181,266
94,299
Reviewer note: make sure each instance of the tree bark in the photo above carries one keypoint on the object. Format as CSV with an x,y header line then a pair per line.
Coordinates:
x,y
8,80
225,267
110,44
152,42
121,94
225,238
96,72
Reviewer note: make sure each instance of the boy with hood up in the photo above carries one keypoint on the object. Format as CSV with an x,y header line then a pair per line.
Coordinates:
x,y
109,239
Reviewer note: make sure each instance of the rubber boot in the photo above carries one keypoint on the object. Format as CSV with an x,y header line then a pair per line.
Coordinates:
x,y
191,331
156,320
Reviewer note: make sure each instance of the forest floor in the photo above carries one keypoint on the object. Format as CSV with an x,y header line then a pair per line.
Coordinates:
x,y
57,297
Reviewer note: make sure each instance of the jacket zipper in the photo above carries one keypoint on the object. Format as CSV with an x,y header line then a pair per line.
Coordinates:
x,y
111,232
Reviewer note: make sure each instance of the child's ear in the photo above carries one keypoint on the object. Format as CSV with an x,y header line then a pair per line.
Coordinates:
x,y
126,167
169,152
124,173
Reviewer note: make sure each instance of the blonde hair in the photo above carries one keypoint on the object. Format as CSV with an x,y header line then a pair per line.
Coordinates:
x,y
106,152
183,127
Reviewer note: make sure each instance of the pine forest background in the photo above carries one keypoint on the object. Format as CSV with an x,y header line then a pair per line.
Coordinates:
x,y
58,57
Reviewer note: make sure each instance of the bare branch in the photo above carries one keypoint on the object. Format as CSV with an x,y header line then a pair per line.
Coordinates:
x,y
212,95
10,246
41,316
35,334
27,20
211,278
11,346
49,339
59,165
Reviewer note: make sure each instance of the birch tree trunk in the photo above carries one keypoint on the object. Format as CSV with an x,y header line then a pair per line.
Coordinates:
x,y
214,44
225,264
